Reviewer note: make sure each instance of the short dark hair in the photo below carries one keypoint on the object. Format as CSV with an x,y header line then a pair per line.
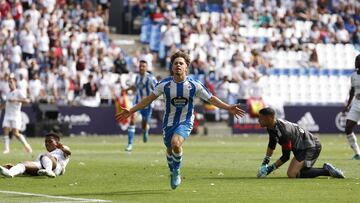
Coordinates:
x,y
357,62
143,61
183,55
267,111
53,135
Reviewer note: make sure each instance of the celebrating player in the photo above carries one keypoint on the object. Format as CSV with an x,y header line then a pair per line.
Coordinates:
x,y
12,118
179,92
354,114
144,85
305,146
51,164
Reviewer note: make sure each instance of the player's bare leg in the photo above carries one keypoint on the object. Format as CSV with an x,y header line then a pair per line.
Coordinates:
x,y
177,151
294,168
6,140
351,137
22,139
297,170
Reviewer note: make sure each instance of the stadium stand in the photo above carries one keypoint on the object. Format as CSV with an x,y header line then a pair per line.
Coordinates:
x,y
303,50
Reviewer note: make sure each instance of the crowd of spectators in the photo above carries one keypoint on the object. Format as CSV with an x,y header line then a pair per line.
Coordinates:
x,y
59,51
220,44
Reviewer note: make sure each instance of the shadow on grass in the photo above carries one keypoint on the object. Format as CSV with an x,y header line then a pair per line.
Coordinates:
x,y
116,193
244,178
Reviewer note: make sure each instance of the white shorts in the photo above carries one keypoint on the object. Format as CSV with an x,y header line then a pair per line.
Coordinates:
x,y
354,113
12,123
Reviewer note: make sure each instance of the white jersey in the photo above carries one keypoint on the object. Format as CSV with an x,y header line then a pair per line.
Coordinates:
x,y
355,83
13,109
354,114
61,160
179,99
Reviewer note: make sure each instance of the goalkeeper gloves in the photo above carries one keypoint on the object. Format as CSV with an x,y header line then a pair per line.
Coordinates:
x,y
265,170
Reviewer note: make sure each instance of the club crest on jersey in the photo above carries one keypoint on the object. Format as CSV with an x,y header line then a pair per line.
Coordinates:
x,y
179,101
140,86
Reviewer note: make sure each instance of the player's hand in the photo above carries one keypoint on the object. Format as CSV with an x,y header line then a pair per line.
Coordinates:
x,y
123,114
59,145
236,111
263,171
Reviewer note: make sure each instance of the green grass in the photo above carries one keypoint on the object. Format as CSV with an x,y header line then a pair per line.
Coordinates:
x,y
214,170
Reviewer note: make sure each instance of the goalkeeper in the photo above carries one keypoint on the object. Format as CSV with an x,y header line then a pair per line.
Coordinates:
x,y
305,146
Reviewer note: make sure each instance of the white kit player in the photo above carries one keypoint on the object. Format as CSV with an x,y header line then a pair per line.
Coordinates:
x,y
354,106
51,164
12,118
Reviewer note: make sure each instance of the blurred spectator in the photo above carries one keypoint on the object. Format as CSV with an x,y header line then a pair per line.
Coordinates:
x,y
35,89
120,65
90,96
314,60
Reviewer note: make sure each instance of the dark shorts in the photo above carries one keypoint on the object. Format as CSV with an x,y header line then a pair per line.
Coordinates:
x,y
309,156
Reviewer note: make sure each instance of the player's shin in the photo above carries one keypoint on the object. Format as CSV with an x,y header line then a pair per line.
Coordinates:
x,y
23,140
313,172
6,144
353,143
131,133
170,162
177,158
46,163
17,169
146,133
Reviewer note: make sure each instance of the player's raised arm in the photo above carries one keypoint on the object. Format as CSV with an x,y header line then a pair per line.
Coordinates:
x,y
64,148
125,113
233,109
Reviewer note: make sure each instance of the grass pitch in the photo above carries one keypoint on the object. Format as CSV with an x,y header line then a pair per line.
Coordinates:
x,y
215,169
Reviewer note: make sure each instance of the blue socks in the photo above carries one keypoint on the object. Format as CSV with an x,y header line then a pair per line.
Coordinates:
x,y
170,162
177,158
131,133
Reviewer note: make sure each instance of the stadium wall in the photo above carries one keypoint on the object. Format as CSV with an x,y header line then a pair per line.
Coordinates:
x,y
317,119
100,121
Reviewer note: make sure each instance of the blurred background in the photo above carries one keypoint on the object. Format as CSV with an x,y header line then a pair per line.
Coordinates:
x,y
72,58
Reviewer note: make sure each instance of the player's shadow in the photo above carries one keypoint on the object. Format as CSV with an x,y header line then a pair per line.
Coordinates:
x,y
242,178
123,193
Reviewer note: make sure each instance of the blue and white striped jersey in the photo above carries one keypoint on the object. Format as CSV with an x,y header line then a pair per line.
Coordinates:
x,y
179,99
144,86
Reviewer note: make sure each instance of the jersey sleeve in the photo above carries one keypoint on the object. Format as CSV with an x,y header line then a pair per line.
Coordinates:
x,y
272,141
153,82
159,88
202,91
21,95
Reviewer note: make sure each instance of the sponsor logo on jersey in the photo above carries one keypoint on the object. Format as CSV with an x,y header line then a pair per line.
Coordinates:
x,y
179,101
308,123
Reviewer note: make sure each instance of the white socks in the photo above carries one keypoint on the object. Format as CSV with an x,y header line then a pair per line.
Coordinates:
x,y
46,163
17,169
6,143
353,143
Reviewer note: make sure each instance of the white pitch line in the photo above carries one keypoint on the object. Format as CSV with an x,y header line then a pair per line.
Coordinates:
x,y
55,197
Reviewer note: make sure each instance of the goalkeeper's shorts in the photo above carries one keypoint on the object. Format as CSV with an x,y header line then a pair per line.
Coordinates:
x,y
309,156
